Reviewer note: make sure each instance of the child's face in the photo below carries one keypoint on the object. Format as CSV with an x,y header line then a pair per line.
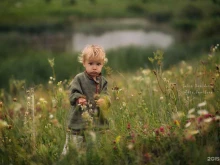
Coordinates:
x,y
93,66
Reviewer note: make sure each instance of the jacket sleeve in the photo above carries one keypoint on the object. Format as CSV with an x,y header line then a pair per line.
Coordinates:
x,y
75,91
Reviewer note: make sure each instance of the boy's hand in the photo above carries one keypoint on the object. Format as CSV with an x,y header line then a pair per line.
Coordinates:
x,y
82,101
100,102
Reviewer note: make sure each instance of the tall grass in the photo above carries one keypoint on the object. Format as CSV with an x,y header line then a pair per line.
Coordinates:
x,y
157,117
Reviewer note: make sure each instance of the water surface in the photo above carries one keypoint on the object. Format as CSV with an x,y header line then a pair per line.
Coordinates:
x,y
122,38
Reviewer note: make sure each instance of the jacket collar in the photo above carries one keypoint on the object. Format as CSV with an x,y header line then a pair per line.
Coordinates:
x,y
97,78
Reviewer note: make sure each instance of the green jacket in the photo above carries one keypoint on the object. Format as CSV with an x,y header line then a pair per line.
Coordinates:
x,y
84,86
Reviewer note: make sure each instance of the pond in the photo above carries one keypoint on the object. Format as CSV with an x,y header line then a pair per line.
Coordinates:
x,y
117,33
122,38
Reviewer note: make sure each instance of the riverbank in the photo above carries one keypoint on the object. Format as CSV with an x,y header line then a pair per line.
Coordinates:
x,y
192,18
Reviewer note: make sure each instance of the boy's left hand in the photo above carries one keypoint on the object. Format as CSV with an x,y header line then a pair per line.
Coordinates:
x,y
100,102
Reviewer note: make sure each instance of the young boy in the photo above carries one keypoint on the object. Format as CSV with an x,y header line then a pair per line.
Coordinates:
x,y
88,96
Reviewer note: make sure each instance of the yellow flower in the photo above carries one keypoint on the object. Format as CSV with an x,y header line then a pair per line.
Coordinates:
x,y
177,123
118,138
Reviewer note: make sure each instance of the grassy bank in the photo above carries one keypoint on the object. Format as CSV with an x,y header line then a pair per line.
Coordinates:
x,y
32,66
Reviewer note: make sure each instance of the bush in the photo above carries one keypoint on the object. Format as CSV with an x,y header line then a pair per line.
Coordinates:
x,y
136,8
191,12
186,25
208,29
160,16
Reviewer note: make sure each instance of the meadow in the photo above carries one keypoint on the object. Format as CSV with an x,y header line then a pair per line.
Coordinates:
x,y
194,24
165,104
157,116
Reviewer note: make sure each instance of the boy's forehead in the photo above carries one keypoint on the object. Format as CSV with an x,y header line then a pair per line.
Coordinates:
x,y
94,59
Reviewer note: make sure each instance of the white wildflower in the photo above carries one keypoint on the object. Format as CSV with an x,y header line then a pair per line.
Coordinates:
x,y
146,72
202,104
181,71
51,116
59,83
217,118
208,120
169,73
60,89
3,124
41,99
147,80
189,68
191,111
138,78
187,124
202,112
193,132
190,116
93,135
177,115
130,146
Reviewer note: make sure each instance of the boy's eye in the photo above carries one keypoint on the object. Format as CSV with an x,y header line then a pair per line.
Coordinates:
x,y
90,63
98,64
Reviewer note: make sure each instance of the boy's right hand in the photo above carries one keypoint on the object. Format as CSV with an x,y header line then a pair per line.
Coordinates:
x,y
82,101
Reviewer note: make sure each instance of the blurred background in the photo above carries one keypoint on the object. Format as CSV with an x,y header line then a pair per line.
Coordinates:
x,y
31,32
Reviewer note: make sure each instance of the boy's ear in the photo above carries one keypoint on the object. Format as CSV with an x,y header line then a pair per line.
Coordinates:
x,y
83,63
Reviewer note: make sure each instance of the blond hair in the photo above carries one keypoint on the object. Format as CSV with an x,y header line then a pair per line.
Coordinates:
x,y
93,51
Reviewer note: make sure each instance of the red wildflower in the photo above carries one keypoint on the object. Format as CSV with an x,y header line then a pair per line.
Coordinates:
x,y
157,132
147,157
161,129
129,126
200,119
207,116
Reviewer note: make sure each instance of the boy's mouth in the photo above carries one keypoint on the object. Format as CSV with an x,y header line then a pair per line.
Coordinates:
x,y
94,73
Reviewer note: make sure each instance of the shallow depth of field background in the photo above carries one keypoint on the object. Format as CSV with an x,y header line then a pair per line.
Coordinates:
x,y
163,73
